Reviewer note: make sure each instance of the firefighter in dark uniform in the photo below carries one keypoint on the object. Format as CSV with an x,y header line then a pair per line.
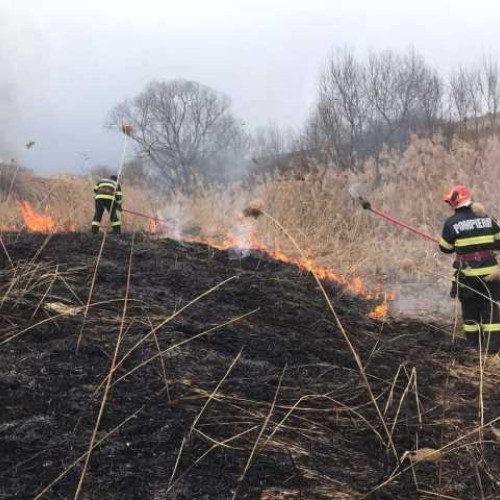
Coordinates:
x,y
473,236
108,196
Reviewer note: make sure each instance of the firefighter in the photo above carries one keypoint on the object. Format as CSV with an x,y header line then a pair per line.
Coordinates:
x,y
108,196
473,236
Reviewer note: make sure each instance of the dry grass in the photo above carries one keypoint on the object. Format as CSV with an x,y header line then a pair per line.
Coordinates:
x,y
338,233
320,214
68,199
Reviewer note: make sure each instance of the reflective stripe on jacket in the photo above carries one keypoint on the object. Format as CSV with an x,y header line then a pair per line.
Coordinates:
x,y
467,231
108,189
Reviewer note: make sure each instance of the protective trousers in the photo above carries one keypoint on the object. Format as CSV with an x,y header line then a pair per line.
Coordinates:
x,y
480,312
112,207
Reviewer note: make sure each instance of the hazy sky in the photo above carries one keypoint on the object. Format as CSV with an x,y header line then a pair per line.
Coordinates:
x,y
65,63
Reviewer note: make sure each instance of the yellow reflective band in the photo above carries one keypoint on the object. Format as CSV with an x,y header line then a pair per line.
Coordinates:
x,y
106,184
104,197
445,244
470,328
497,236
491,327
117,223
480,271
119,193
475,240
94,223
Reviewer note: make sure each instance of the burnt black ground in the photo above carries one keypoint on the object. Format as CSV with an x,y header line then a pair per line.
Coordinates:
x,y
328,446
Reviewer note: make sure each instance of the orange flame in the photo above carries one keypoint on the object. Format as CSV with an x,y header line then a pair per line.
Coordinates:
x,y
154,226
34,221
246,239
249,241
380,311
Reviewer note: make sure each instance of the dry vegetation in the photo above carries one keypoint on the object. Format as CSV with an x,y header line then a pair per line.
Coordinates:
x,y
233,380
337,232
68,199
318,212
242,380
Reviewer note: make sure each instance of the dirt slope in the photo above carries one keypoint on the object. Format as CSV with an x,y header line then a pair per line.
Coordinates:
x,y
292,419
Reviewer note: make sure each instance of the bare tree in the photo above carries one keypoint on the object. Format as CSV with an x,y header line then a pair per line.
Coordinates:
x,y
489,85
404,96
364,105
460,96
281,151
431,95
183,127
475,100
342,107
273,143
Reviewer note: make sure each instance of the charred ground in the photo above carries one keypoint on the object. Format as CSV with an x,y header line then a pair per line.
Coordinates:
x,y
295,384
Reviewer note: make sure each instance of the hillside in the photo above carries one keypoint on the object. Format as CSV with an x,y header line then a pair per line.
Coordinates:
x,y
256,394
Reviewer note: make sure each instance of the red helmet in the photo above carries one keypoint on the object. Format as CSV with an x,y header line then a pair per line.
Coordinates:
x,y
458,196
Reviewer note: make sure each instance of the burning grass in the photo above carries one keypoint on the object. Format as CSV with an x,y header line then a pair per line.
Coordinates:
x,y
61,204
233,377
343,243
34,221
241,241
232,381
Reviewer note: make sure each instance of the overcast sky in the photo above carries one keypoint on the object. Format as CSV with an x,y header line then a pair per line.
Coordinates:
x,y
65,63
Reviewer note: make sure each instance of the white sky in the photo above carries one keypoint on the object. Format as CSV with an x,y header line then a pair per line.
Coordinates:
x,y
69,61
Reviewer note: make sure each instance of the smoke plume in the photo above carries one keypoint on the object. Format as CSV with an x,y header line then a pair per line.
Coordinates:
x,y
23,74
7,91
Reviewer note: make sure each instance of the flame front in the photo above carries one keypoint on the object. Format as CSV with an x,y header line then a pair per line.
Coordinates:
x,y
380,311
154,226
35,222
247,240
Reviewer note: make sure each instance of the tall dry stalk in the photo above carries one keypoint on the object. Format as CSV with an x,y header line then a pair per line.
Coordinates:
x,y
109,377
409,183
344,333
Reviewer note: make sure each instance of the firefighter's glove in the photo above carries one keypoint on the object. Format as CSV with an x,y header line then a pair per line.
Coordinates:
x,y
119,208
365,204
494,276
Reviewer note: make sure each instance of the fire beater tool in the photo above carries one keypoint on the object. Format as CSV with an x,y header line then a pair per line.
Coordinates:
x,y
145,216
393,220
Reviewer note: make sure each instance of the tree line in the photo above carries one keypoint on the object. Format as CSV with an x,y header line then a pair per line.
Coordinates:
x,y
186,135
364,105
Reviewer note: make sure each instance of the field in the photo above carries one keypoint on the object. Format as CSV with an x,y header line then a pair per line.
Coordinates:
x,y
256,393
197,357
316,209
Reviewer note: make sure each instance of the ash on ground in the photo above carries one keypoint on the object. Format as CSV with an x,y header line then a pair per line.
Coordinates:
x,y
291,419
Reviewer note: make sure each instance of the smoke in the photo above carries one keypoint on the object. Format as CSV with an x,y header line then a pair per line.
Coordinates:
x,y
178,222
423,300
23,70
243,243
183,220
8,104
